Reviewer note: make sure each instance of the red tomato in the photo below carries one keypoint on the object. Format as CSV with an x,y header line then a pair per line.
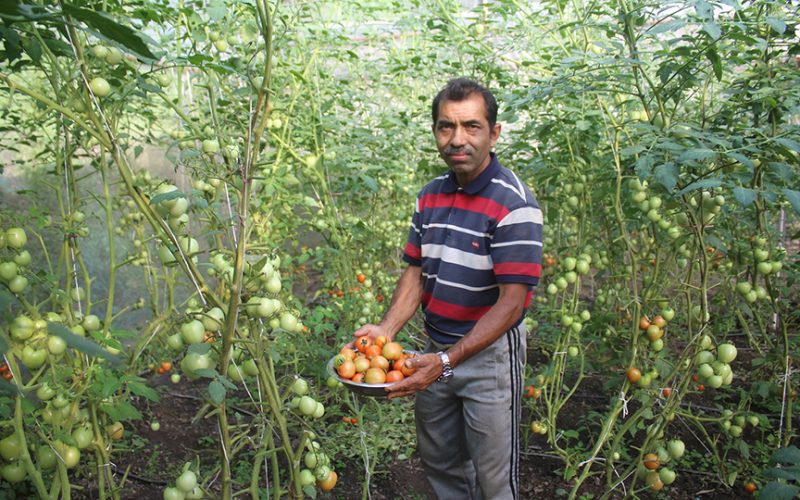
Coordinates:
x,y
394,376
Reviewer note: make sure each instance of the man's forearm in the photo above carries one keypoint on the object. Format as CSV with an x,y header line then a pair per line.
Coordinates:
x,y
405,301
492,325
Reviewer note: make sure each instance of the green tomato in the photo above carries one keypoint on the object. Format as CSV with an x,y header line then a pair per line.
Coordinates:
x,y
18,284
186,481
45,392
676,448
307,405
213,319
114,56
319,411
91,323
194,361
175,342
235,373
56,345
307,477
193,332
250,368
22,328
11,447
8,270
288,322
300,387
45,457
155,426
100,87
726,353
667,476
33,358
70,455
172,493
13,472
83,437
16,237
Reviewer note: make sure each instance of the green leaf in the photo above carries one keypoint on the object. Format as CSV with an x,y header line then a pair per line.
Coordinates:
x,y
111,30
701,184
189,153
794,198
667,175
778,491
713,30
170,195
789,143
140,389
666,27
716,62
206,373
745,196
777,25
697,154
227,383
790,455
121,410
310,491
198,349
716,243
82,344
790,473
216,391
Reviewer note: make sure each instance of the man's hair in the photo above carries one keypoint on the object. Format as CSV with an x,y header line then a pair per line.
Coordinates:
x,y
461,88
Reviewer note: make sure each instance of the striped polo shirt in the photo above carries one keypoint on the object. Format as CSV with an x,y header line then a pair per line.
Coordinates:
x,y
467,241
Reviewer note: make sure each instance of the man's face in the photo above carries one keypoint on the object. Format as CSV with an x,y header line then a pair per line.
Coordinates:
x,y
464,137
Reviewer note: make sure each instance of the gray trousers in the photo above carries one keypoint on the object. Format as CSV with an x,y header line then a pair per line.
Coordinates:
x,y
468,429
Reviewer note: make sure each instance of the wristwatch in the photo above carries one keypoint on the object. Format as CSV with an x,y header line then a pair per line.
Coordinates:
x,y
447,370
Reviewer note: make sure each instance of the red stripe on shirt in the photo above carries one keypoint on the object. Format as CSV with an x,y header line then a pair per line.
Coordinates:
x,y
413,251
518,268
479,204
454,311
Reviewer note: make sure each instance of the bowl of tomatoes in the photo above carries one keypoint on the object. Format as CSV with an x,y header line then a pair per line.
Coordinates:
x,y
372,366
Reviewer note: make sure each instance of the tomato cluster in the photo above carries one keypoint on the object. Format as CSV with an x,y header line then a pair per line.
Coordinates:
x,y
373,361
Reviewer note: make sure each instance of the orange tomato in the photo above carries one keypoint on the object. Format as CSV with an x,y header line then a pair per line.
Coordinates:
x,y
381,340
750,487
329,482
347,369
633,374
392,350
407,370
644,323
529,391
666,392
394,376
166,366
372,351
375,376
347,353
360,277
379,362
650,461
358,377
363,342
361,363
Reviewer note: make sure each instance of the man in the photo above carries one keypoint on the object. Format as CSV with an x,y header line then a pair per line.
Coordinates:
x,y
473,254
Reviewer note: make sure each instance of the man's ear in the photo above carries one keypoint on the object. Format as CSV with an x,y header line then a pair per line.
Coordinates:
x,y
495,133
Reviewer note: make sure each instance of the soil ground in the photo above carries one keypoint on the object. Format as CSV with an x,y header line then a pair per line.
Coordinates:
x,y
154,457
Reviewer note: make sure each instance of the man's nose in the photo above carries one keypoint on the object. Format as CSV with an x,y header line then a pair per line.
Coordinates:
x,y
459,138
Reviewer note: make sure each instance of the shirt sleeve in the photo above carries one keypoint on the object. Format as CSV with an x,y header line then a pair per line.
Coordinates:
x,y
516,246
412,253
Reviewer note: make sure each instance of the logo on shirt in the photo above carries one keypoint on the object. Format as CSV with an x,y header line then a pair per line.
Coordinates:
x,y
475,244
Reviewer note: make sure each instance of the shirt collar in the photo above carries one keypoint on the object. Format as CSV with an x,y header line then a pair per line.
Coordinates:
x,y
477,184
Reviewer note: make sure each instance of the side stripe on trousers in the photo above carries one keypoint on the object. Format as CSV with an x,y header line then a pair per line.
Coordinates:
x,y
512,337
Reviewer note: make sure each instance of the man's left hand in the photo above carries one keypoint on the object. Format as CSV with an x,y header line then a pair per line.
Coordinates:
x,y
429,368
